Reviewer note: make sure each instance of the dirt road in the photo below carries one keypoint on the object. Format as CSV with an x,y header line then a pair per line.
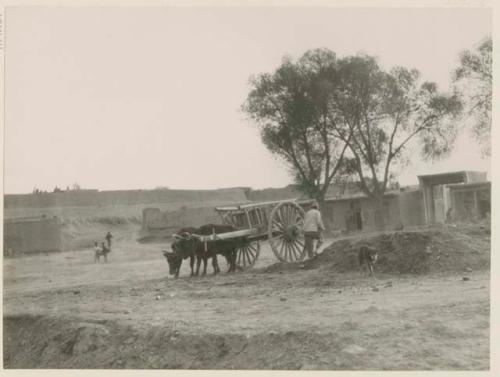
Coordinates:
x,y
62,310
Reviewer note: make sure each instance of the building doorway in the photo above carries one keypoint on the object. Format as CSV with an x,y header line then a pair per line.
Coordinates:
x,y
484,203
357,220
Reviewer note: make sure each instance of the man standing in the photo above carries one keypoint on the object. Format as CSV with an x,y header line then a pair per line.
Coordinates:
x,y
108,238
313,226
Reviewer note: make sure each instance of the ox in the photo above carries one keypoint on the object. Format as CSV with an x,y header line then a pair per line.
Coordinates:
x,y
227,248
175,258
189,244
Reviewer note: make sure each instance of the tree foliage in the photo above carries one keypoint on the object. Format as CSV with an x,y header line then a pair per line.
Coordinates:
x,y
330,117
291,108
388,111
473,81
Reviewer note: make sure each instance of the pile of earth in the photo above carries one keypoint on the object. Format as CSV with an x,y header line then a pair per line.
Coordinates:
x,y
418,251
50,342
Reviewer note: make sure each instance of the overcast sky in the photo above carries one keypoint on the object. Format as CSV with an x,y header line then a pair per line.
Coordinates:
x,y
124,98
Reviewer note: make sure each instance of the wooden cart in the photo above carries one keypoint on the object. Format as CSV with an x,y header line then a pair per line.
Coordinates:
x,y
280,222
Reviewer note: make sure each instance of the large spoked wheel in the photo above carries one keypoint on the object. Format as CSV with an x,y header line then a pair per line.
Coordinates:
x,y
247,254
285,232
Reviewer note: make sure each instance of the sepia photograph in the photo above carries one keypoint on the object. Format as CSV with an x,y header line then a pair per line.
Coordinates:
x,y
247,186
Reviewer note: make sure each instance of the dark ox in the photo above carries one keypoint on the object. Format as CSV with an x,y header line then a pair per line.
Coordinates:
x,y
175,258
188,244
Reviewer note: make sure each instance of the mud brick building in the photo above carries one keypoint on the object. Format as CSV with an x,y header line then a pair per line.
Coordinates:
x,y
439,198
463,195
357,212
453,196
31,235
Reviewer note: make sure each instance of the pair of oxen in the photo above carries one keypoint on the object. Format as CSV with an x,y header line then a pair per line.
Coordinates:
x,y
188,243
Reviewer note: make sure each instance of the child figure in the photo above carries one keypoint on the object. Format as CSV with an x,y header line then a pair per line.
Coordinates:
x,y
97,252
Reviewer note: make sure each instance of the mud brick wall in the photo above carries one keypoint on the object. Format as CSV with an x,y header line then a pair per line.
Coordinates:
x,y
32,235
411,208
83,198
401,208
154,219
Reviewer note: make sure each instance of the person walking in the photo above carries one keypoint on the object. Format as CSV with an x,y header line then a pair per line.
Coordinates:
x,y
97,252
313,228
108,238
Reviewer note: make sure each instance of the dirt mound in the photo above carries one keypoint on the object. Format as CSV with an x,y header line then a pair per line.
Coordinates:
x,y
283,267
42,342
420,251
417,252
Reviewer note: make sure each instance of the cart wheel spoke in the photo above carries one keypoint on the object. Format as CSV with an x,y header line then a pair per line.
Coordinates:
x,y
285,252
293,254
249,257
289,215
289,254
282,248
282,218
299,251
279,226
252,252
299,241
290,257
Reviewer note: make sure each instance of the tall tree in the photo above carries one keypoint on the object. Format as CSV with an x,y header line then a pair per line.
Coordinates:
x,y
291,107
473,81
387,112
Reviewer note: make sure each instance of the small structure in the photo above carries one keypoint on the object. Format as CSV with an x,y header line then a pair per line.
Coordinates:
x,y
31,235
469,201
358,212
436,192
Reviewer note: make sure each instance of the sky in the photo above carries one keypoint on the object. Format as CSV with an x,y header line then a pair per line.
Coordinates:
x,y
137,98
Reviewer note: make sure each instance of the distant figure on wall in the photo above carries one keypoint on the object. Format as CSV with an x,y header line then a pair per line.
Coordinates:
x,y
108,239
313,228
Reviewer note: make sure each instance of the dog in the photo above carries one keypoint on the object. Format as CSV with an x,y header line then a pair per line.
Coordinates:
x,y
367,255
103,251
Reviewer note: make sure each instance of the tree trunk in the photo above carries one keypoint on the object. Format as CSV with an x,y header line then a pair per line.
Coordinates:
x,y
380,214
322,208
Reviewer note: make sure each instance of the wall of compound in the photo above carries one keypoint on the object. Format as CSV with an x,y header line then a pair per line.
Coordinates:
x,y
154,219
32,235
83,198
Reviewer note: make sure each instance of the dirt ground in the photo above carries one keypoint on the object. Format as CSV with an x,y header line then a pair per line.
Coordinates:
x,y
64,311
